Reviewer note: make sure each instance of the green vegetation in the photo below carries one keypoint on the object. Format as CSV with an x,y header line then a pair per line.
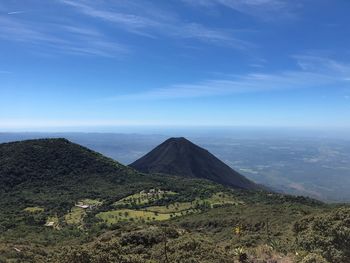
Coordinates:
x,y
144,213
91,202
326,234
53,221
221,199
172,208
75,216
34,209
144,197
191,221
115,216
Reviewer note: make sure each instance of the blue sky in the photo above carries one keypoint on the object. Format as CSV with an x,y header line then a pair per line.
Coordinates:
x,y
81,63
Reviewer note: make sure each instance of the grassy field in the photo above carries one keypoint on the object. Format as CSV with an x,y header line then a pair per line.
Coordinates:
x,y
115,216
144,213
216,200
161,213
75,216
92,202
53,221
221,199
34,209
144,197
171,208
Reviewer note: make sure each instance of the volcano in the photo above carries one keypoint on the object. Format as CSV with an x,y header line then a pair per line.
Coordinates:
x,y
179,156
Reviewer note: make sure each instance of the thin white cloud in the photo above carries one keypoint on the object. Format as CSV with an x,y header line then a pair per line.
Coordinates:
x,y
324,65
11,29
63,35
81,30
61,38
328,73
129,21
160,23
193,30
264,9
16,12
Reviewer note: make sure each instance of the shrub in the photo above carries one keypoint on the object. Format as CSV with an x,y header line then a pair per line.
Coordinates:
x,y
314,258
327,235
144,237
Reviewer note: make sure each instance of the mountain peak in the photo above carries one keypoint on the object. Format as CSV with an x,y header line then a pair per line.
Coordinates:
x,y
178,139
178,142
179,156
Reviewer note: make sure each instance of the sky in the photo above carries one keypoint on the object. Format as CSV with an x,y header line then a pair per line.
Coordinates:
x,y
104,63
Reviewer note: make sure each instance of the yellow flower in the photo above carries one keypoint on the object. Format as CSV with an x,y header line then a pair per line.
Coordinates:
x,y
237,230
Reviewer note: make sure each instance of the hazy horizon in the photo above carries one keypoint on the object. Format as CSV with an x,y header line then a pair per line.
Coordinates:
x,y
211,131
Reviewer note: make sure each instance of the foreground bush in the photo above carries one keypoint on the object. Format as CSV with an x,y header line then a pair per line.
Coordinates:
x,y
314,258
327,235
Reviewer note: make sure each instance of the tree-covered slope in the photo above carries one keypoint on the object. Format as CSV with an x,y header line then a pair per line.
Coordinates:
x,y
50,159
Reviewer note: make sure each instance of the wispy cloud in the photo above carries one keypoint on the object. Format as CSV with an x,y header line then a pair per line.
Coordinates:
x,y
129,21
58,37
193,30
85,31
324,65
63,35
16,12
264,9
328,72
156,24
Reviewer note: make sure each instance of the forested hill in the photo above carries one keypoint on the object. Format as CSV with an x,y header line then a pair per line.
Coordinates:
x,y
50,159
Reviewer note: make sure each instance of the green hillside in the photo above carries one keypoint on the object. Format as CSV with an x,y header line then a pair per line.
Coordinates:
x,y
64,203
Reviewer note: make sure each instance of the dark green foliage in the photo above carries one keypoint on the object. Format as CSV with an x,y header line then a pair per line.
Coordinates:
x,y
313,258
40,161
145,238
327,234
196,248
183,249
99,253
